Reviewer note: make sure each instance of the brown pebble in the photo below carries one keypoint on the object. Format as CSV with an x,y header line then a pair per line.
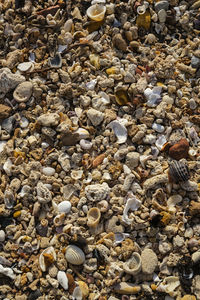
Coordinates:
x,y
119,42
98,160
179,150
194,208
4,111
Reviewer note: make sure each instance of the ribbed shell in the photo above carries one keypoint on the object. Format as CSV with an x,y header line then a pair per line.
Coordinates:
x,y
74,255
179,171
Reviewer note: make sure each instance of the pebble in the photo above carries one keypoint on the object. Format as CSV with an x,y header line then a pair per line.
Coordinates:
x,y
149,261
158,128
119,42
64,206
49,119
95,116
162,15
4,111
23,92
161,5
132,159
179,150
48,171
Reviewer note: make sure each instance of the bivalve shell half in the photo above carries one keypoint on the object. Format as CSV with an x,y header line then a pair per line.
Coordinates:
x,y
47,257
96,12
133,265
93,217
74,255
62,279
179,171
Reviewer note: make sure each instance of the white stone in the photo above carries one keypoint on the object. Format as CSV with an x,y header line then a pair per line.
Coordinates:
x,y
48,171
62,279
158,127
2,235
49,119
95,116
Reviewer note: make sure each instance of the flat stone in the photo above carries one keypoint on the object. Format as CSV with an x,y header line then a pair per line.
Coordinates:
x,y
149,261
50,119
132,159
162,15
161,5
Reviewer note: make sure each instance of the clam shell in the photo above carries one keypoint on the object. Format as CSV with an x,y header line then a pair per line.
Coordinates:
x,y
133,265
119,130
42,262
96,12
93,217
62,279
77,294
179,171
74,255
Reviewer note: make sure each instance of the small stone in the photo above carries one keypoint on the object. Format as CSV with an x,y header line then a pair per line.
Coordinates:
x,y
48,171
95,116
49,119
149,261
168,99
8,81
127,288
119,42
158,127
2,235
178,241
23,91
188,297
4,111
161,5
132,159
179,150
194,208
162,15
97,192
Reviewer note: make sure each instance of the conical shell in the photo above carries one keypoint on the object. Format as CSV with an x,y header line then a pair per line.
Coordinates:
x,y
74,255
133,265
96,12
93,217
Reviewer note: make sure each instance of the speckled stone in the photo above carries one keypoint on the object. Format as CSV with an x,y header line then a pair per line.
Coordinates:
x,y
149,261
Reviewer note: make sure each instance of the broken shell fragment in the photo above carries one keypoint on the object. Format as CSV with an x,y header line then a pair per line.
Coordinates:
x,y
59,219
132,204
23,91
77,294
96,12
93,217
119,130
56,61
26,66
74,255
84,289
62,279
46,258
133,265
178,171
127,288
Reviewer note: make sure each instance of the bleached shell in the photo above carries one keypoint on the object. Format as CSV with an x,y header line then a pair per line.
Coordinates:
x,y
25,66
174,200
74,255
64,206
120,237
119,130
93,217
56,61
77,294
49,250
169,284
62,279
132,204
59,219
48,171
76,174
8,272
96,12
133,265
86,145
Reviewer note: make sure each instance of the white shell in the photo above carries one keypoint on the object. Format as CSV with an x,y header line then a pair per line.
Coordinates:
x,y
83,133
86,145
49,250
64,206
96,12
119,130
48,171
158,127
141,9
2,236
25,66
120,237
132,204
74,255
160,142
59,219
169,284
174,200
77,294
62,279
76,174
23,122
23,91
8,272
133,265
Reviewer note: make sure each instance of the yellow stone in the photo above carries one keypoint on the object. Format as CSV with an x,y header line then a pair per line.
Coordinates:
x,y
144,20
112,70
84,289
94,60
127,288
17,214
188,297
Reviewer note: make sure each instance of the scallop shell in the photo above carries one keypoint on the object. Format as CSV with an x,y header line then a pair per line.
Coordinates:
x,y
133,265
47,257
96,12
93,217
74,255
62,279
179,171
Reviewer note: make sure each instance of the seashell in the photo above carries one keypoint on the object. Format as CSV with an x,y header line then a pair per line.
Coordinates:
x,y
26,66
76,174
103,205
59,219
179,150
91,85
160,142
96,12
43,193
174,200
121,95
7,166
23,122
23,91
93,217
2,235
7,272
141,9
74,255
9,198
132,204
133,265
48,171
178,171
83,133
126,288
56,61
120,237
64,207
108,236
62,279
77,294
84,289
46,258
169,284
86,145
119,130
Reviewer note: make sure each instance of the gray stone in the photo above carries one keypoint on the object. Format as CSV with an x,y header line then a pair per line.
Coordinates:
x,y
50,119
95,116
97,192
132,159
162,15
161,5
195,62
8,81
149,261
